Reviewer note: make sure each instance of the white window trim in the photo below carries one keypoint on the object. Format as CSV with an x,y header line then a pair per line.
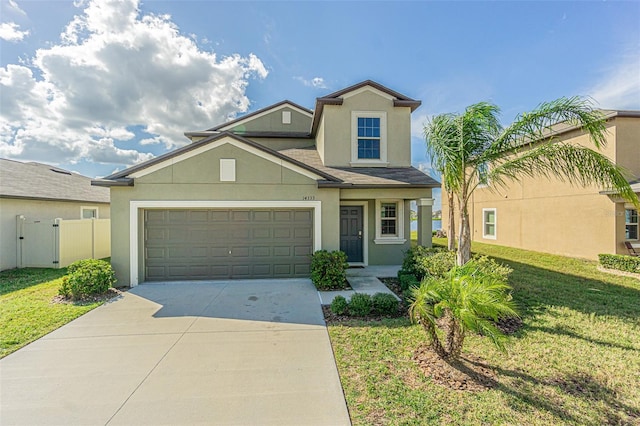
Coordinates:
x,y
135,207
495,224
369,162
365,230
83,208
637,224
484,185
396,239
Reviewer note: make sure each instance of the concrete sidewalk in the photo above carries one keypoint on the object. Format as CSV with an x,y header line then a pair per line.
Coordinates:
x,y
234,353
363,280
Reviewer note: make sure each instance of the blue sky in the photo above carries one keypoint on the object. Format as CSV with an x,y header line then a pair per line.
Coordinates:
x,y
96,86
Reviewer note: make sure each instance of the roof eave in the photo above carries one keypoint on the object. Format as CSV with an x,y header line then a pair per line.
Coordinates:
x,y
112,182
346,185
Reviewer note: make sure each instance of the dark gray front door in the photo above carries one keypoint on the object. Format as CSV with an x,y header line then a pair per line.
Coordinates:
x,y
200,244
351,232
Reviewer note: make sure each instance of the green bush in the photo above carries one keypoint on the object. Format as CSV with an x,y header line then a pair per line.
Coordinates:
x,y
416,261
384,304
86,278
360,305
487,267
329,270
339,305
435,264
620,262
407,281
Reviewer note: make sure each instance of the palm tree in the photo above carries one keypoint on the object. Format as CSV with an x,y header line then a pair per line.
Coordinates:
x,y
472,148
468,298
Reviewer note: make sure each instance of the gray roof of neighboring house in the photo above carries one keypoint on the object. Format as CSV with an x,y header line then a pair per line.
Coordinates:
x,y
396,177
44,182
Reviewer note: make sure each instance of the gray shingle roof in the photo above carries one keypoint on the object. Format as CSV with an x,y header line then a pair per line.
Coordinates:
x,y
364,176
44,182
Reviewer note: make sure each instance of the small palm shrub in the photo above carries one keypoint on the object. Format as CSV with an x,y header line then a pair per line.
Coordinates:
x,y
471,297
339,305
384,304
87,278
360,305
329,270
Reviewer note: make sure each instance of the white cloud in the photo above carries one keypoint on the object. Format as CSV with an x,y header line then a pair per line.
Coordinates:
x,y
113,70
10,31
619,86
317,82
15,8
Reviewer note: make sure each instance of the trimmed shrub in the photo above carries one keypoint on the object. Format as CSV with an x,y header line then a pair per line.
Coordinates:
x,y
407,281
87,278
414,263
339,305
360,305
488,267
328,270
435,264
620,262
384,304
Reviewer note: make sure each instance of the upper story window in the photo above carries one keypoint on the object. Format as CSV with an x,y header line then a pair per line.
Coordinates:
x,y
631,224
369,138
483,174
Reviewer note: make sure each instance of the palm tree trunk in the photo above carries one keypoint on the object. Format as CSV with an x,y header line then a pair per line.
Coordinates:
x,y
464,239
435,343
455,337
451,233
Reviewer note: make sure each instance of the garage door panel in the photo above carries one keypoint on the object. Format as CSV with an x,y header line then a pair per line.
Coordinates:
x,y
230,243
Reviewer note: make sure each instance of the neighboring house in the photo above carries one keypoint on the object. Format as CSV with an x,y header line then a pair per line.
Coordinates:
x,y
256,196
40,192
555,217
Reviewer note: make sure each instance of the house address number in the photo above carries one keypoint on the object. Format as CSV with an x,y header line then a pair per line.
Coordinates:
x,y
309,197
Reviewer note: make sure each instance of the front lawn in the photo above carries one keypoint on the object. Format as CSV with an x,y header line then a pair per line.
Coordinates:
x,y
576,360
27,311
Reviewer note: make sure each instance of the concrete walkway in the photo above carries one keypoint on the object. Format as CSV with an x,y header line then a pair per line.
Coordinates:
x,y
363,280
217,353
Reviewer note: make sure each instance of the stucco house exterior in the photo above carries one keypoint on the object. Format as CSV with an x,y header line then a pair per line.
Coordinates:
x,y
256,196
40,192
555,217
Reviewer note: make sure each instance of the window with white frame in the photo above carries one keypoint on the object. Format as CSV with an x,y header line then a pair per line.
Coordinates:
x,y
489,223
631,224
369,138
389,222
88,212
483,174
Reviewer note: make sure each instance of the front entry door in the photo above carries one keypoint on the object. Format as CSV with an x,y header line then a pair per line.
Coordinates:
x,y
351,232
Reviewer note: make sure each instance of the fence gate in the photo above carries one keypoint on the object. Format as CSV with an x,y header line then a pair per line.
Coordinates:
x,y
58,243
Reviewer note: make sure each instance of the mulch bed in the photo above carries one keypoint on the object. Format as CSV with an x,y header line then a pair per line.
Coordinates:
x,y
469,373
104,297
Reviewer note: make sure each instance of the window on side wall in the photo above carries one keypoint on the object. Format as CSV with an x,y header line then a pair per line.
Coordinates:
x,y
369,139
631,224
489,223
89,212
389,222
483,174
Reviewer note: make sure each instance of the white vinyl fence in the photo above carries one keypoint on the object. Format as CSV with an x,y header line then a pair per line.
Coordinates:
x,y
57,243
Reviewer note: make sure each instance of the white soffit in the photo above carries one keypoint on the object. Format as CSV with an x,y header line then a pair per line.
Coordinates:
x,y
368,89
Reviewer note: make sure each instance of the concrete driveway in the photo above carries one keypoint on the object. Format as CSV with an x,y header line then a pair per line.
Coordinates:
x,y
234,353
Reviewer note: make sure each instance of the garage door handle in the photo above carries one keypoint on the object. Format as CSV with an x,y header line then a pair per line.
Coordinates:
x,y
229,251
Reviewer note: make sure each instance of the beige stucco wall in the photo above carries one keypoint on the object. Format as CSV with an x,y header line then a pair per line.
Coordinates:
x,y
35,210
197,179
336,129
551,216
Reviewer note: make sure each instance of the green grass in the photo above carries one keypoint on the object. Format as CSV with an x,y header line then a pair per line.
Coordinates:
x,y
26,309
575,361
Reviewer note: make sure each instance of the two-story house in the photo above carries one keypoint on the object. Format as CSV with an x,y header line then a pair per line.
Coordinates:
x,y
548,215
256,196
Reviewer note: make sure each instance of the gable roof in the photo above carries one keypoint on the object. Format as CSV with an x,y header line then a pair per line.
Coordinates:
x,y
336,98
37,181
124,177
